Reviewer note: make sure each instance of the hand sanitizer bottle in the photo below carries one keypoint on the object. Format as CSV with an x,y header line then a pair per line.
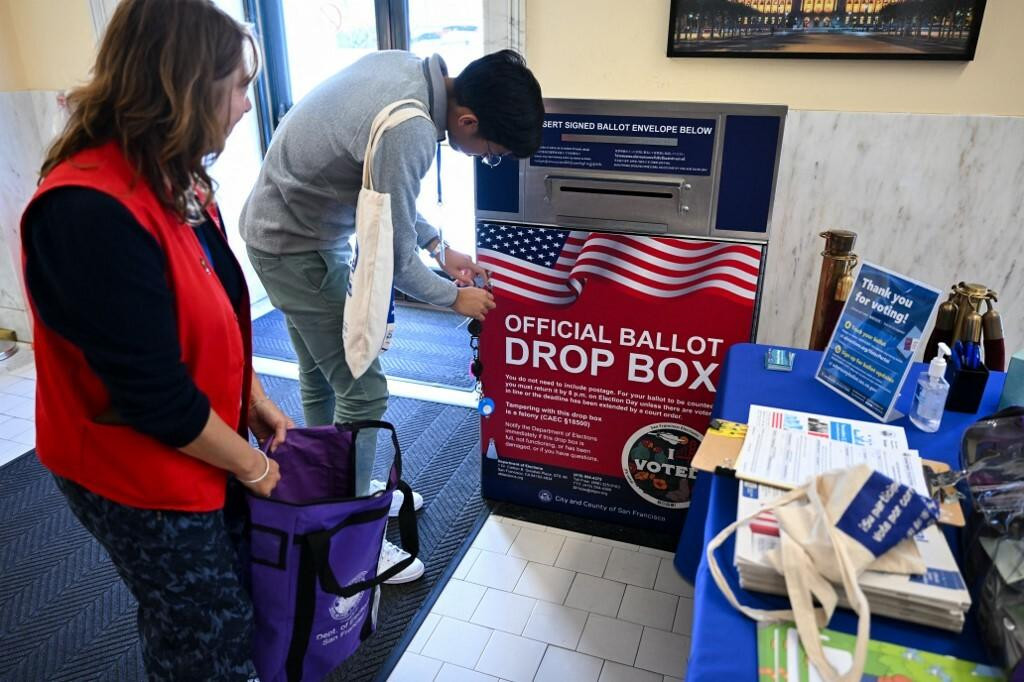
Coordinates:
x,y
930,396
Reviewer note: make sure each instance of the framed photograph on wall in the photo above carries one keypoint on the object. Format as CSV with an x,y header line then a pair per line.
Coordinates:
x,y
826,29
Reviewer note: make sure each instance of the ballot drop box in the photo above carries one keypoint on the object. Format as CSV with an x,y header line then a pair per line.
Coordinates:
x,y
626,257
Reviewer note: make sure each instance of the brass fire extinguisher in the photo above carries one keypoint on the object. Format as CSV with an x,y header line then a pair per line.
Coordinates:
x,y
995,347
942,332
834,284
960,319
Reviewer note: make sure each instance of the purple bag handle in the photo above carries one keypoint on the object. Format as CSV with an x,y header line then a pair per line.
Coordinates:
x,y
314,551
355,427
319,543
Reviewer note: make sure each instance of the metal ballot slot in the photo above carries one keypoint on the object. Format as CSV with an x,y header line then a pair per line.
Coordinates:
x,y
645,167
626,257
604,203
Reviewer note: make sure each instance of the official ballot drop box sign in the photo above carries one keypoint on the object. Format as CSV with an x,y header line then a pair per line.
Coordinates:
x,y
626,257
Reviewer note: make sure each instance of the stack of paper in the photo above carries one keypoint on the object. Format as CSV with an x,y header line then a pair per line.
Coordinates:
x,y
938,598
785,449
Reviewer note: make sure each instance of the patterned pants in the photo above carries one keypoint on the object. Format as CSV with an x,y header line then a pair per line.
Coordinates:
x,y
195,618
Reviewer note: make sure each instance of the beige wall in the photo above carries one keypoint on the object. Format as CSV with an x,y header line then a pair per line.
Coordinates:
x,y
613,49
11,75
45,44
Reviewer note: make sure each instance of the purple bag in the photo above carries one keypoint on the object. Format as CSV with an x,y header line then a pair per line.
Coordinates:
x,y
314,551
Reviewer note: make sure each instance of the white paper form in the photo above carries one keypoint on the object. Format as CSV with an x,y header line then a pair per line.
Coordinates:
x,y
784,448
831,428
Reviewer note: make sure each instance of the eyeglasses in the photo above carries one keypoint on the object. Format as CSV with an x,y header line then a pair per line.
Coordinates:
x,y
490,159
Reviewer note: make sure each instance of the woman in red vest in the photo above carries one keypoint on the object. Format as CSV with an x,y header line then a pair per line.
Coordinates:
x,y
145,384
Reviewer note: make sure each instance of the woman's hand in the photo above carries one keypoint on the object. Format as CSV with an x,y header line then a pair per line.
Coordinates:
x,y
221,446
266,419
265,470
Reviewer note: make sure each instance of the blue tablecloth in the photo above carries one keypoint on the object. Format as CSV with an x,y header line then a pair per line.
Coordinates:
x,y
724,641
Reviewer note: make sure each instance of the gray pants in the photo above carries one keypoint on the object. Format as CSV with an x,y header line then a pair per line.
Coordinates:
x,y
309,288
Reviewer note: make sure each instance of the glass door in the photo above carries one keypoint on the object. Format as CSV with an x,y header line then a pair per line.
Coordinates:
x,y
453,29
308,41
322,37
235,173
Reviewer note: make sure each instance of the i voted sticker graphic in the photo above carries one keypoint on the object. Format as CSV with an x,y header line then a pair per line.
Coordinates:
x,y
656,462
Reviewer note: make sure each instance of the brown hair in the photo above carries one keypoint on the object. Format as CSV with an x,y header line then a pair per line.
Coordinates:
x,y
157,89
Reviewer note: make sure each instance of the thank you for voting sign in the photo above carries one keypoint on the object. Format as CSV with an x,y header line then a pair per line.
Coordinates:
x,y
873,344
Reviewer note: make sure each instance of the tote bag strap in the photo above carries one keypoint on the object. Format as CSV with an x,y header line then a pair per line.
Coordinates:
x,y
388,118
858,602
383,114
801,582
716,571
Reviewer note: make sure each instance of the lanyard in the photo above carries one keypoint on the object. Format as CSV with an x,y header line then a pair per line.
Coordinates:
x,y
438,156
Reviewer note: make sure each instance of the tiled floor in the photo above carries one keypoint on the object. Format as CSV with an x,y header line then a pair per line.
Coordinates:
x,y
533,603
17,405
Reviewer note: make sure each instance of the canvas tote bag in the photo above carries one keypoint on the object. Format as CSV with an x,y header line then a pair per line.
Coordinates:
x,y
833,528
370,300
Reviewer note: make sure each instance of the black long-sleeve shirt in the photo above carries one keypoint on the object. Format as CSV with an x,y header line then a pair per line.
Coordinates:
x,y
99,279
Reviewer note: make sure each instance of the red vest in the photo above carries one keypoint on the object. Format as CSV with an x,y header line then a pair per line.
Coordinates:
x,y
119,462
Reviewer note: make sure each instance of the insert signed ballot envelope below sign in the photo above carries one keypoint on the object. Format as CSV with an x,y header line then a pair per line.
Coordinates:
x,y
875,339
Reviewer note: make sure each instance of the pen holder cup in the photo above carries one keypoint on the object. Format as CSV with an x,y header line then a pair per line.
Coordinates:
x,y
966,387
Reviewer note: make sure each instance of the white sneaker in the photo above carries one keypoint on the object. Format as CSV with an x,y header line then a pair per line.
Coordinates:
x,y
391,554
398,498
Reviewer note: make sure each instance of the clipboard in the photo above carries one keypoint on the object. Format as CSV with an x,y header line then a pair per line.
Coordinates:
x,y
720,450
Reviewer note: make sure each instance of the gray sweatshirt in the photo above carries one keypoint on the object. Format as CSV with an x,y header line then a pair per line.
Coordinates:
x,y
305,197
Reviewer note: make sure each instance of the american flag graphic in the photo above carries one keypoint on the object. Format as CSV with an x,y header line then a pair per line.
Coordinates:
x,y
765,523
551,266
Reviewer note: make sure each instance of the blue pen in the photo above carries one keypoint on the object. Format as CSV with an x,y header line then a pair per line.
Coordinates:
x,y
973,353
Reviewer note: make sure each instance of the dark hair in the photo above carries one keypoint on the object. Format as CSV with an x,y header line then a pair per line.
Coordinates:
x,y
156,89
506,99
